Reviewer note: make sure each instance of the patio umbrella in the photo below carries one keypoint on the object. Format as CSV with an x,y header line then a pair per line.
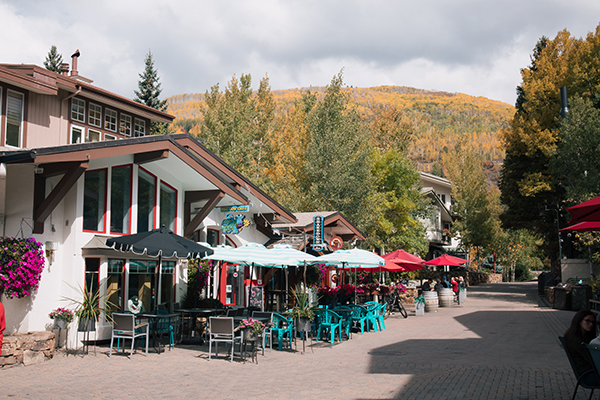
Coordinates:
x,y
354,258
583,226
295,257
158,243
446,259
404,260
586,211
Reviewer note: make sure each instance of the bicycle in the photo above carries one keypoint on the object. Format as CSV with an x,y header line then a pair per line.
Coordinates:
x,y
393,302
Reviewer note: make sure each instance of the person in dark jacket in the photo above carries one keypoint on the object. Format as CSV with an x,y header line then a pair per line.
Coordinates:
x,y
427,285
582,330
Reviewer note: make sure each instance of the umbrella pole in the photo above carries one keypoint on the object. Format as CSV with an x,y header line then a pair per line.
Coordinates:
x,y
250,290
157,282
355,284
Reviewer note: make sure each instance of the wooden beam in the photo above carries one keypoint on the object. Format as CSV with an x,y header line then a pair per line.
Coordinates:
x,y
259,221
49,203
208,207
192,196
55,169
143,158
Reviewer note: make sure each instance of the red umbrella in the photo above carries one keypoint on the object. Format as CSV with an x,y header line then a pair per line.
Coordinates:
x,y
586,211
584,226
403,260
446,259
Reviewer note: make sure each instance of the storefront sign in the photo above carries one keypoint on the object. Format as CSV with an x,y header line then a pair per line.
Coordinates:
x,y
318,243
235,209
234,224
336,243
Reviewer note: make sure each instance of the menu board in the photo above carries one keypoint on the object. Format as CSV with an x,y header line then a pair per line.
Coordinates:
x,y
255,297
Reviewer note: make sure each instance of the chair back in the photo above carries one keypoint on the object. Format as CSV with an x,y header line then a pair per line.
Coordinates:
x,y
263,314
235,312
162,324
161,307
563,341
175,307
382,309
279,321
221,325
594,352
123,322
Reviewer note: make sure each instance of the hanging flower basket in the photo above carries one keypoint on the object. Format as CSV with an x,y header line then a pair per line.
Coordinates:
x,y
21,265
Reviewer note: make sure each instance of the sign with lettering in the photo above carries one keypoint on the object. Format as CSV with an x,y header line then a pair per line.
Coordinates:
x,y
318,243
235,209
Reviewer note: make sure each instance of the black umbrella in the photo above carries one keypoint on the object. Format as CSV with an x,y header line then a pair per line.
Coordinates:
x,y
159,243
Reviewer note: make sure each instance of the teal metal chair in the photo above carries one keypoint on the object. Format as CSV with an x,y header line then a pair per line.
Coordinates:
x,y
164,326
329,321
372,309
281,327
359,316
379,316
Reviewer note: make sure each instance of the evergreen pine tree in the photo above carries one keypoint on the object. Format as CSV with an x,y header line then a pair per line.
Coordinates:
x,y
53,60
149,92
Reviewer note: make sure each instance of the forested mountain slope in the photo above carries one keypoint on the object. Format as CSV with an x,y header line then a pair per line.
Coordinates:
x,y
435,120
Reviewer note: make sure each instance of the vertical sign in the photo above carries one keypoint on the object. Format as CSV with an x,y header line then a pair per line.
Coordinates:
x,y
318,244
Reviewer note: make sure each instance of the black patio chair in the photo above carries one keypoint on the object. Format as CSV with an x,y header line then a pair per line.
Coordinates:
x,y
578,376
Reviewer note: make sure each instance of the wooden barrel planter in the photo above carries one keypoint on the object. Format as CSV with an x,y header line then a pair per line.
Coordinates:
x,y
446,297
431,301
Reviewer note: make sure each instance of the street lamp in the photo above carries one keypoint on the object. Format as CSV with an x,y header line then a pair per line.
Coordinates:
x,y
558,230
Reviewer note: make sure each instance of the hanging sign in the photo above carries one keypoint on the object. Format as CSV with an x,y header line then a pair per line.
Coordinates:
x,y
336,243
234,224
318,243
235,209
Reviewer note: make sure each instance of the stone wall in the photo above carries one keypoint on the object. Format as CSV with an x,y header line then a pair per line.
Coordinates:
x,y
27,348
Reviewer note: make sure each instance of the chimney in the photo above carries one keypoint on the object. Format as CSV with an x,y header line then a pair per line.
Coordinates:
x,y
64,69
74,57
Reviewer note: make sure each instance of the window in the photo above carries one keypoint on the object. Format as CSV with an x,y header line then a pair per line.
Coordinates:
x,y
93,136
14,118
146,201
140,128
108,136
110,120
95,115
168,208
92,274
120,199
125,128
212,237
141,282
76,134
114,282
77,110
94,201
167,281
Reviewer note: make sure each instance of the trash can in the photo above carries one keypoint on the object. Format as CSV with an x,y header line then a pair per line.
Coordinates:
x,y
562,298
580,296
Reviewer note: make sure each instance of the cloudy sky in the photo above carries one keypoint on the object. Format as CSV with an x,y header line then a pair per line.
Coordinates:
x,y
475,47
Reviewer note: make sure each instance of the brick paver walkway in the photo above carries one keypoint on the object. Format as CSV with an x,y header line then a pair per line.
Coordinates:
x,y
501,344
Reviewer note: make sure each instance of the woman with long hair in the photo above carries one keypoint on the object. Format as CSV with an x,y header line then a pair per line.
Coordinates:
x,y
582,330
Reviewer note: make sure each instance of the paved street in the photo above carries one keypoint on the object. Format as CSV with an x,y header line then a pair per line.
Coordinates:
x,y
501,344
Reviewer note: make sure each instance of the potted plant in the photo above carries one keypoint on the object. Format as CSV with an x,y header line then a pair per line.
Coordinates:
x,y
89,309
252,328
62,317
302,312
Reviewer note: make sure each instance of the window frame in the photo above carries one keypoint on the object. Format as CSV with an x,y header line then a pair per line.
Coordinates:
x,y
136,130
96,109
81,138
161,207
129,225
104,219
125,131
154,212
21,122
108,135
81,110
110,125
87,136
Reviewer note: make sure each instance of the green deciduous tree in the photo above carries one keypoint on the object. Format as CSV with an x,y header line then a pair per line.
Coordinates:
x,y
53,60
149,93
338,162
238,124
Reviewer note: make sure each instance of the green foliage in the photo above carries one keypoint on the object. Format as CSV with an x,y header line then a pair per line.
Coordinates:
x,y
473,198
398,203
519,252
338,161
577,156
149,93
238,124
92,304
53,60
302,308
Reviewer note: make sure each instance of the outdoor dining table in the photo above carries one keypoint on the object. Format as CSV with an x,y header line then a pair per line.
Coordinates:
x,y
154,318
194,313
